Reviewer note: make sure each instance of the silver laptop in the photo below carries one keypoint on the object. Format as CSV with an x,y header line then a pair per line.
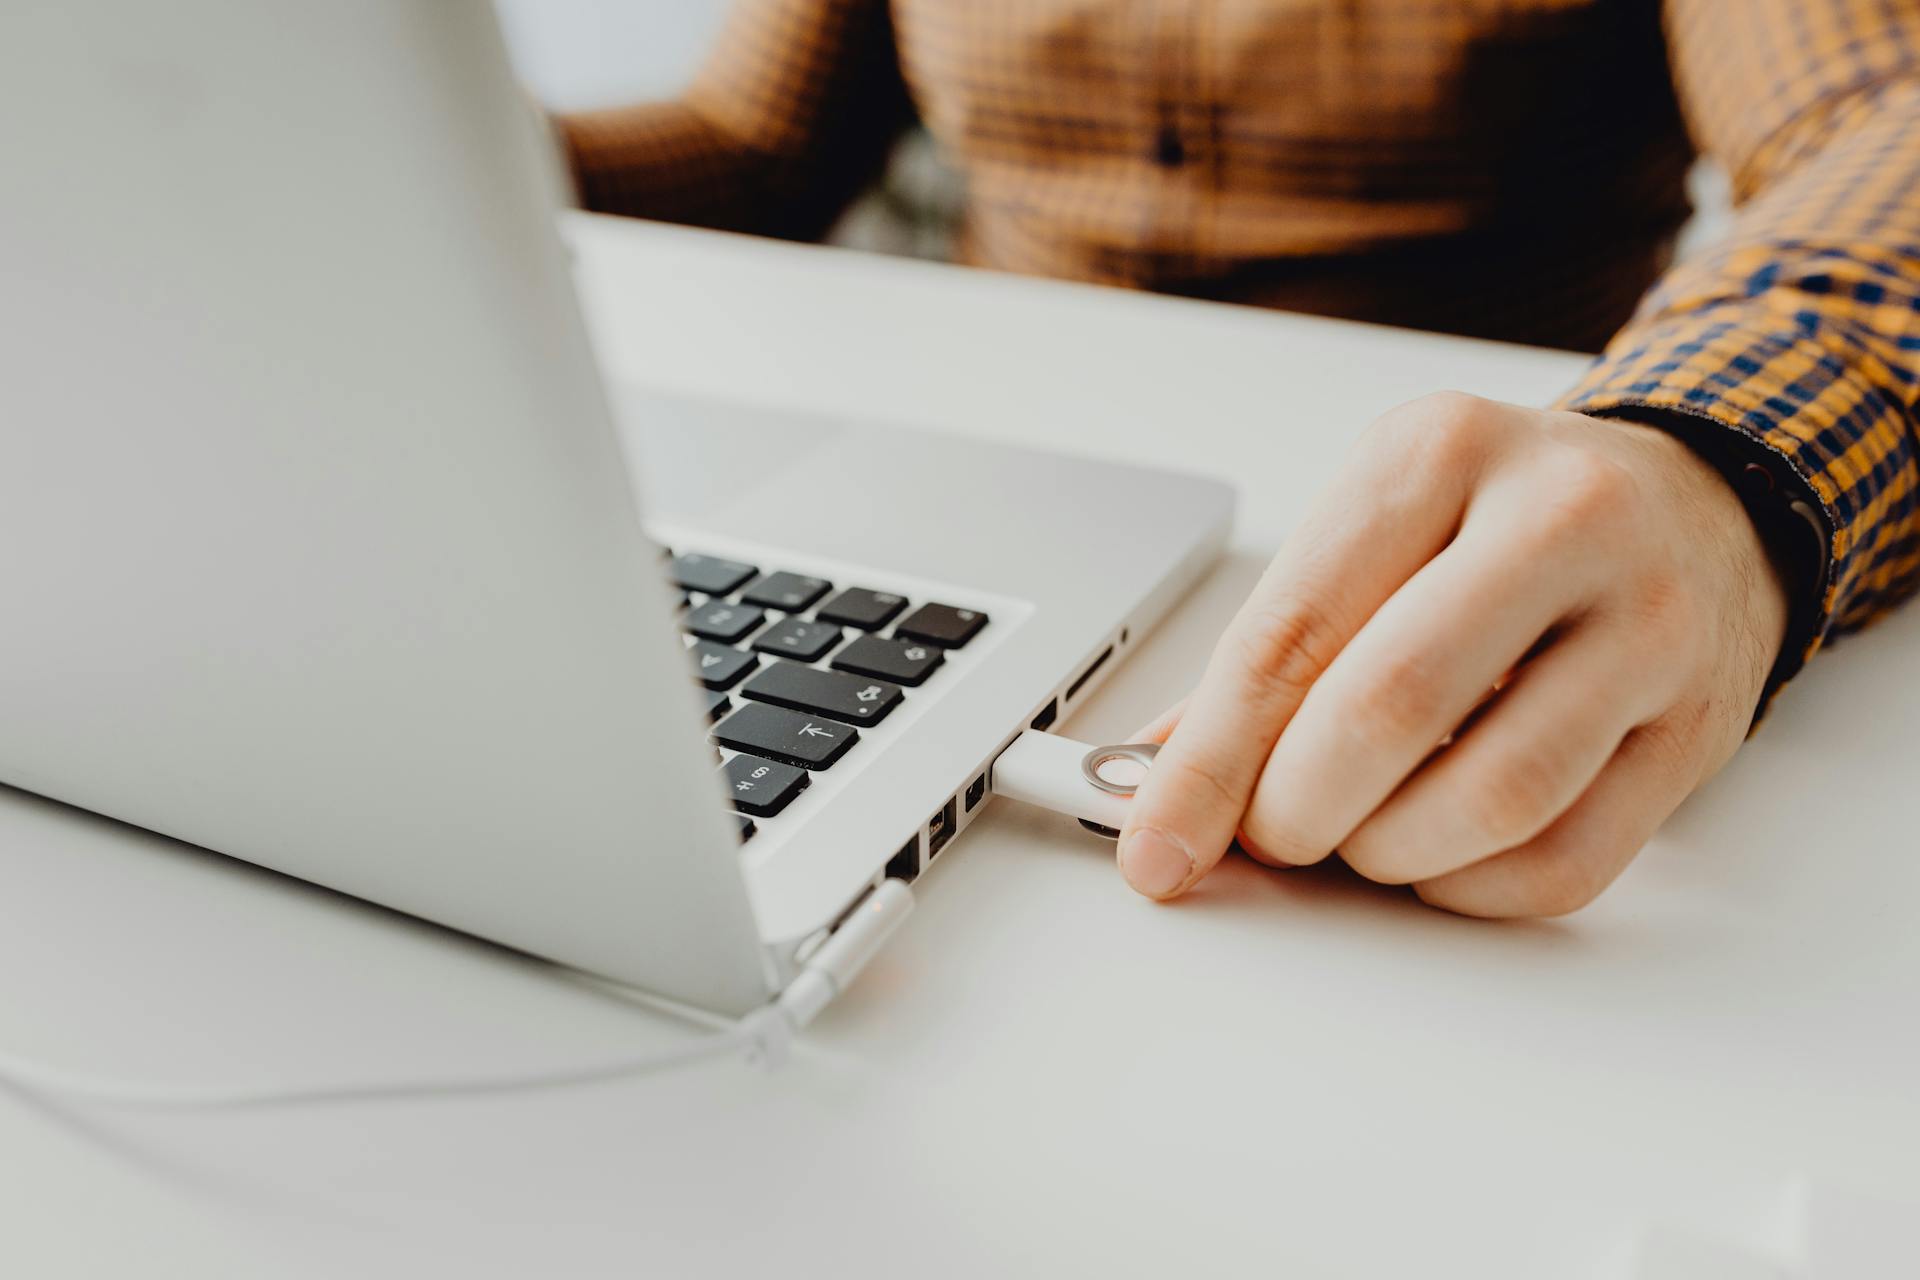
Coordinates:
x,y
323,545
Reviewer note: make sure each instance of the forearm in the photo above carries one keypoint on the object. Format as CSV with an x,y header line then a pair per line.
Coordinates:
x,y
1800,335
663,161
791,116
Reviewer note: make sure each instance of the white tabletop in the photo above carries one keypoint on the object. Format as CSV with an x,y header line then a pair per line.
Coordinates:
x,y
1296,1074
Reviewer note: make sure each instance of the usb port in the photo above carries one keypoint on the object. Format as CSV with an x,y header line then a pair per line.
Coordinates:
x,y
905,865
976,793
1048,714
940,828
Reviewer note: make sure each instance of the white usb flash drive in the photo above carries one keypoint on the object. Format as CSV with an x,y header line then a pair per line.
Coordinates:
x,y
1093,784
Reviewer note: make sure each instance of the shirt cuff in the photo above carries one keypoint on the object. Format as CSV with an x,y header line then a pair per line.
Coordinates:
x,y
1742,403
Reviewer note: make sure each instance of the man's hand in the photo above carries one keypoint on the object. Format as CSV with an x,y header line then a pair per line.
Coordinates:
x,y
1597,579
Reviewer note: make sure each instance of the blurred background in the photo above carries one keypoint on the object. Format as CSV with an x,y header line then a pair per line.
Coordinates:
x,y
588,53
594,53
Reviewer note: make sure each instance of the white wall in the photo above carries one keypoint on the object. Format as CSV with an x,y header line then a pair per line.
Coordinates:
x,y
584,53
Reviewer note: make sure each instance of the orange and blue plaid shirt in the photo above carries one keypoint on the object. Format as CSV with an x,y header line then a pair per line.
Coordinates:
x,y
1506,168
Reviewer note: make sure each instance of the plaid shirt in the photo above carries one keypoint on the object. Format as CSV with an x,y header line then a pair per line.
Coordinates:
x,y
1508,168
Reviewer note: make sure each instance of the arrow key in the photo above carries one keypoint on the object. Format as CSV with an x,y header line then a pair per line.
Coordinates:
x,y
718,667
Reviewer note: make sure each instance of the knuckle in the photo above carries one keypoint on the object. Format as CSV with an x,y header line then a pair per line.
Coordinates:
x,y
1283,646
1402,701
1373,858
1449,410
1551,886
1512,798
1270,837
1441,425
1443,894
1589,494
1659,596
1559,887
1665,613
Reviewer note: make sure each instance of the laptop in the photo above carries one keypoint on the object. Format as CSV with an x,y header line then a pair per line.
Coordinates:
x,y
324,546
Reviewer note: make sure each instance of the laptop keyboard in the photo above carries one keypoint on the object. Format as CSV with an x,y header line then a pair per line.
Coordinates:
x,y
793,666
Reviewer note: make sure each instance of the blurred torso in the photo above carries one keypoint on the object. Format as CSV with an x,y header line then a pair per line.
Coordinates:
x,y
1403,160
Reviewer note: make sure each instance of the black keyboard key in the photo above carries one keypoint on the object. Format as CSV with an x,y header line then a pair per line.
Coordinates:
x,y
901,661
810,742
709,574
718,620
859,607
789,591
762,787
798,639
941,624
717,705
746,828
853,699
718,667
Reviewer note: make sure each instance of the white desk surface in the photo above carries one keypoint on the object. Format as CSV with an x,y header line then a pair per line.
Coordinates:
x,y
1286,1074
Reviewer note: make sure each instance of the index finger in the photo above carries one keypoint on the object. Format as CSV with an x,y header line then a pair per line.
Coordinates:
x,y
1387,516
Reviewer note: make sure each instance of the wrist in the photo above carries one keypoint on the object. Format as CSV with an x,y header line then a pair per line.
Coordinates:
x,y
1726,519
1781,509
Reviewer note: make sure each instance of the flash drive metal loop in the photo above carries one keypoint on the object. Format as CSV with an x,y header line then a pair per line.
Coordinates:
x,y
1140,753
1060,774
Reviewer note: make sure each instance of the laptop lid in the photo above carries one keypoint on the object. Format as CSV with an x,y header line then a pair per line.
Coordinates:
x,y
316,544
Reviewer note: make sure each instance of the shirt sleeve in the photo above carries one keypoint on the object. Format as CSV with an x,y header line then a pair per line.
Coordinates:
x,y
1799,333
789,118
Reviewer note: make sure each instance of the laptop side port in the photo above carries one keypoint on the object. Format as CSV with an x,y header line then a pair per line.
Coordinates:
x,y
940,827
905,865
1093,669
976,792
1048,714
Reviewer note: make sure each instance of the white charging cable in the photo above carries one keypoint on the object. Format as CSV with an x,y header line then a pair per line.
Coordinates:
x,y
764,1036
39,1078
1037,768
